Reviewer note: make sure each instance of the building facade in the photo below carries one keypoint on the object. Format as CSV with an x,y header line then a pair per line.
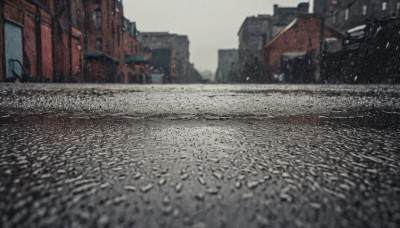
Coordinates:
x,y
284,15
255,32
156,40
227,58
194,75
68,41
103,40
165,60
298,39
26,45
347,14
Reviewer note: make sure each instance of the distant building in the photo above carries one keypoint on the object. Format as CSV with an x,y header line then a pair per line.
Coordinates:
x,y
256,31
194,74
227,58
284,15
134,64
166,61
253,33
347,14
156,40
297,40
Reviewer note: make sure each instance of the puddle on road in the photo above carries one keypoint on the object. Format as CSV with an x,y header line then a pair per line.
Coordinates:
x,y
178,172
350,119
370,119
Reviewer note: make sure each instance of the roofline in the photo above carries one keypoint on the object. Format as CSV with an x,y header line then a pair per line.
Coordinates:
x,y
291,24
229,49
259,16
294,22
163,34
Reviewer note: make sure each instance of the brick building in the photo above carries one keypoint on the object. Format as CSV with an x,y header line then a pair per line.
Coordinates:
x,y
156,40
26,40
227,58
258,30
103,40
284,15
296,40
346,14
134,65
68,41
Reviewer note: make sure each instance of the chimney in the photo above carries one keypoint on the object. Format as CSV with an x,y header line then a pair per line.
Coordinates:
x,y
276,9
303,7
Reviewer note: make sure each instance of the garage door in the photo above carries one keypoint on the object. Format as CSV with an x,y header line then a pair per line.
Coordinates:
x,y
13,47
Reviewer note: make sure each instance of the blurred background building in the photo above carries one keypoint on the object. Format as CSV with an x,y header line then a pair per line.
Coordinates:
x,y
227,61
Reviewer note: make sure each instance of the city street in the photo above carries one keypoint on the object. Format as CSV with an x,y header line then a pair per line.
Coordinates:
x,y
92,155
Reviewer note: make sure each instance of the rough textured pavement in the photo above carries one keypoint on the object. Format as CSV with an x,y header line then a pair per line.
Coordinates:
x,y
199,156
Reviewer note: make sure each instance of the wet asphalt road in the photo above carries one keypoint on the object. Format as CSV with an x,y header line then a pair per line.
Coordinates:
x,y
199,156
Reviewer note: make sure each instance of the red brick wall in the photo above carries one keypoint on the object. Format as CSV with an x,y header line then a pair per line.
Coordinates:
x,y
18,11
95,70
14,10
30,43
111,30
303,36
59,52
24,13
129,46
58,55
47,55
76,62
109,20
68,44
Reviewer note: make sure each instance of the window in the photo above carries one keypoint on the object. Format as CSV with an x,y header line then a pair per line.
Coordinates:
x,y
112,30
113,6
118,35
346,17
97,18
45,3
78,18
384,6
398,9
99,44
364,10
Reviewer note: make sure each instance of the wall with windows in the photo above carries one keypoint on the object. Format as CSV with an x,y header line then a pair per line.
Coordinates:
x,y
154,40
34,22
346,14
104,26
55,34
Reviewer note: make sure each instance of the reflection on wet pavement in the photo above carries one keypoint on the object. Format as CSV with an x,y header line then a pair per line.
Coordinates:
x,y
275,167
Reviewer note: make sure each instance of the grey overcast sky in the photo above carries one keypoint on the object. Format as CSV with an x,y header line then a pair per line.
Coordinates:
x,y
209,24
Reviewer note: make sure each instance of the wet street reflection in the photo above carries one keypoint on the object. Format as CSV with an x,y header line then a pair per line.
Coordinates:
x,y
205,156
